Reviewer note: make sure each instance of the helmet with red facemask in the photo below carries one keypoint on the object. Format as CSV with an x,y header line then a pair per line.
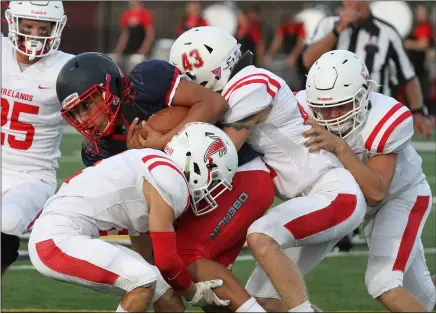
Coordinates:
x,y
31,45
90,88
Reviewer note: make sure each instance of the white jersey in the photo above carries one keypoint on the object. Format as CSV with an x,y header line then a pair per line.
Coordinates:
x,y
280,136
111,192
31,118
387,129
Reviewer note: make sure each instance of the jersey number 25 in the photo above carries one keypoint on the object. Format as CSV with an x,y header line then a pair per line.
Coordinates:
x,y
15,125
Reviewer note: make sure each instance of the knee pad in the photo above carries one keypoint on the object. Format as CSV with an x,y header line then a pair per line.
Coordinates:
x,y
12,220
379,282
161,285
260,286
10,246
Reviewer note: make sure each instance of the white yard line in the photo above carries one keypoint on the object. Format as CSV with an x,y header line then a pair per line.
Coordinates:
x,y
245,258
426,147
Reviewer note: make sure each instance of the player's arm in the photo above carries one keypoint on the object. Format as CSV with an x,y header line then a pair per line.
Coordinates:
x,y
159,82
374,177
250,103
163,237
382,144
240,130
205,105
167,195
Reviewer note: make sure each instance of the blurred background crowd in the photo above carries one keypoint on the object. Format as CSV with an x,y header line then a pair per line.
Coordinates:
x,y
276,32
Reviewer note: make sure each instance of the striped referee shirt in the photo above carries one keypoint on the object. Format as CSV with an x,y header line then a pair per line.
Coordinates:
x,y
378,44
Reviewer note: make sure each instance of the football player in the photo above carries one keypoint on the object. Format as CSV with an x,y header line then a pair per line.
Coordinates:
x,y
371,133
30,116
137,191
208,244
323,202
151,86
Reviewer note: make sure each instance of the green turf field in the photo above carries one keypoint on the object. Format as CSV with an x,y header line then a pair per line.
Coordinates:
x,y
336,285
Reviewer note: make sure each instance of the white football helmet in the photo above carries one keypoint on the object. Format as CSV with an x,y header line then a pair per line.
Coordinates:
x,y
208,158
339,78
35,46
207,55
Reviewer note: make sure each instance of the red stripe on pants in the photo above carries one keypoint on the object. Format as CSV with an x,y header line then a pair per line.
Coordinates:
x,y
409,235
52,257
338,211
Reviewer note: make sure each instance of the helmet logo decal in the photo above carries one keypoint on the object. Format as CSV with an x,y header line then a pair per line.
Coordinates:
x,y
217,146
38,12
217,72
364,73
108,80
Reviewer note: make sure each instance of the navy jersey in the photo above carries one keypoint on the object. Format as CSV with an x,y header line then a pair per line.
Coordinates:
x,y
155,83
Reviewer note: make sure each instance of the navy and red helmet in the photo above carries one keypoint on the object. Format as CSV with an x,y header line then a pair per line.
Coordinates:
x,y
92,78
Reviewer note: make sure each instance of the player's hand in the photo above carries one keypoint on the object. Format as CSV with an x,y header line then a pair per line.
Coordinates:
x,y
154,139
204,294
320,138
134,135
422,126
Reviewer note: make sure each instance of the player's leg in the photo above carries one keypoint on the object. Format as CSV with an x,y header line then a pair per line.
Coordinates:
x,y
394,247
306,258
418,281
165,299
22,199
59,249
10,246
333,208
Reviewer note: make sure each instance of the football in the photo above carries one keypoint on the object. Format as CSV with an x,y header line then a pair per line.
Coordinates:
x,y
166,119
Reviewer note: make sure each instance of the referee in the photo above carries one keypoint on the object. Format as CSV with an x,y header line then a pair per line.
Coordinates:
x,y
379,45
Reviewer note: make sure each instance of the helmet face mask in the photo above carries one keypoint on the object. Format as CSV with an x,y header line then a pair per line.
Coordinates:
x,y
93,113
208,159
203,199
91,88
338,91
348,114
35,14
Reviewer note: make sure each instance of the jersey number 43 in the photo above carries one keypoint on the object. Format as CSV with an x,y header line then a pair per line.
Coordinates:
x,y
192,60
26,129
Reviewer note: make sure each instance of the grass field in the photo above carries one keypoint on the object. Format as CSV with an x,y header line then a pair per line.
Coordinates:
x,y
336,285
